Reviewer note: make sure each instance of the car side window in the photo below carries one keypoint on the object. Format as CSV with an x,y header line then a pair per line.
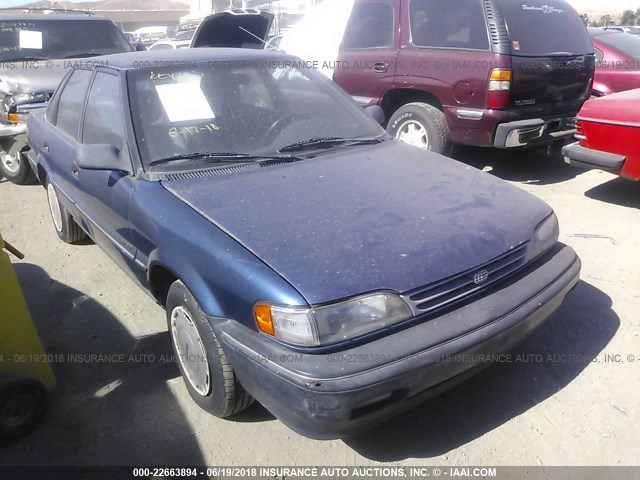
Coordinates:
x,y
71,102
103,122
450,24
370,26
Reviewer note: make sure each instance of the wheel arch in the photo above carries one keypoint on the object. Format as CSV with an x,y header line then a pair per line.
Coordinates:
x,y
395,98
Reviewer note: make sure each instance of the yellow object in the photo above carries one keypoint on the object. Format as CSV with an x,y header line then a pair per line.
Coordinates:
x,y
21,351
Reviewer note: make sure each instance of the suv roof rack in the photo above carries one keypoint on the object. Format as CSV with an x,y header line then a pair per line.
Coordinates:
x,y
46,9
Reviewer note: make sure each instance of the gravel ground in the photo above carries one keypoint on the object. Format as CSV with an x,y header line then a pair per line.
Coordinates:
x,y
579,407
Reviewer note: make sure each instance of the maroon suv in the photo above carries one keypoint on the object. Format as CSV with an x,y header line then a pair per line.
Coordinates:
x,y
501,73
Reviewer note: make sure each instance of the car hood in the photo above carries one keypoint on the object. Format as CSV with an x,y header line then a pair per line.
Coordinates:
x,y
616,108
34,77
233,29
388,216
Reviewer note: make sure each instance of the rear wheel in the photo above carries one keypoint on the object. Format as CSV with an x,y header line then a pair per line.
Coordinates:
x,y
423,126
15,167
66,227
203,364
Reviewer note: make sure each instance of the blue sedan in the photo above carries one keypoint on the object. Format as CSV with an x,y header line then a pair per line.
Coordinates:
x,y
304,258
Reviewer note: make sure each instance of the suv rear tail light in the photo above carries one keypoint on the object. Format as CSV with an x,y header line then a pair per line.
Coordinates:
x,y
499,88
580,131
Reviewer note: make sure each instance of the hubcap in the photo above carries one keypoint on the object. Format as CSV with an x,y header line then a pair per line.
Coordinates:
x,y
414,134
11,162
17,411
54,207
191,353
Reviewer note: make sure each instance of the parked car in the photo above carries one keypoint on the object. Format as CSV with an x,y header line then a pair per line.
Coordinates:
x,y
486,73
631,30
170,45
36,51
608,132
244,28
185,34
252,199
618,61
135,44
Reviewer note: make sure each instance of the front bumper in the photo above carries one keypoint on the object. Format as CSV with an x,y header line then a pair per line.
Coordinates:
x,y
579,156
536,131
10,130
340,394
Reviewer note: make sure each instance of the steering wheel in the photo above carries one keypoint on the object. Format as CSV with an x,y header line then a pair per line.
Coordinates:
x,y
277,126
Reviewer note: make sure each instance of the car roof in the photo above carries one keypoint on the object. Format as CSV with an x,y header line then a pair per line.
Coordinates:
x,y
597,31
133,60
52,16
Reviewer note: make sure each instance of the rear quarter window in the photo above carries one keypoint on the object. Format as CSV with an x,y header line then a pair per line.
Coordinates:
x,y
545,27
450,24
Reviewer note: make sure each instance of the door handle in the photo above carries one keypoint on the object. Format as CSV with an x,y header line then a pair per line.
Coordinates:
x,y
75,170
45,147
381,67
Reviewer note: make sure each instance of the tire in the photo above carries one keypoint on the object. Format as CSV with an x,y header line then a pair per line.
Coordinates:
x,y
15,168
22,403
203,364
423,126
65,226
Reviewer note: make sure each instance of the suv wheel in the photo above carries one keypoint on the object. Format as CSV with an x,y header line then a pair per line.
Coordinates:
x,y
423,126
16,168
66,227
205,368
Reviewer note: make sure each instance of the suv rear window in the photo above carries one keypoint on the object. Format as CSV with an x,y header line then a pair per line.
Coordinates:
x,y
545,27
450,24
50,38
625,43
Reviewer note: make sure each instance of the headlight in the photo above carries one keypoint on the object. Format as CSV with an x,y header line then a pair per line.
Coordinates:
x,y
545,236
332,323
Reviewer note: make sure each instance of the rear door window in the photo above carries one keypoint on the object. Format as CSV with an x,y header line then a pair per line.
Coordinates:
x,y
450,24
370,26
71,102
103,121
545,28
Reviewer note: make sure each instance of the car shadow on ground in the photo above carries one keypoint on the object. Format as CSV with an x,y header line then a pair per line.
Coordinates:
x,y
533,166
112,409
581,328
618,191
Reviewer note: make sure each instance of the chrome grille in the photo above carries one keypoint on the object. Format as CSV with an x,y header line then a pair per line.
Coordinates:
x,y
459,287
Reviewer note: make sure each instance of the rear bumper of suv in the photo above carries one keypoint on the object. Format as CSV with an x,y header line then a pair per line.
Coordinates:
x,y
339,394
534,131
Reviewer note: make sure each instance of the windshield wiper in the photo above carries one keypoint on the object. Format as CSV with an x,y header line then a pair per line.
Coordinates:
x,y
81,55
224,158
327,142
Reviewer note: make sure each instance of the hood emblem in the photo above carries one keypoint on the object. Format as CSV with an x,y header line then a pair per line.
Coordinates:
x,y
480,277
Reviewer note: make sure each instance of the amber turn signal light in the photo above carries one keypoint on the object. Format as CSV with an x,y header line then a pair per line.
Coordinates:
x,y
262,314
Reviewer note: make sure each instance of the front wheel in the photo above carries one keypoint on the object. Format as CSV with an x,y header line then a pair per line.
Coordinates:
x,y
15,168
22,403
423,126
203,364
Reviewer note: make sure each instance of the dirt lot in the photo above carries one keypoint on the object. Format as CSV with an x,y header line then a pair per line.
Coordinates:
x,y
578,407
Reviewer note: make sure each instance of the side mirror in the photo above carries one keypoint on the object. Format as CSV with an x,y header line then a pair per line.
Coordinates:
x,y
102,156
376,112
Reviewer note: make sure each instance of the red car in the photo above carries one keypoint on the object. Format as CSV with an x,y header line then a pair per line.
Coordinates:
x,y
608,129
618,61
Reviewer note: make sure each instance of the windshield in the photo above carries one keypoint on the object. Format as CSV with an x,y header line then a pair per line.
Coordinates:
x,y
51,39
241,108
626,44
545,27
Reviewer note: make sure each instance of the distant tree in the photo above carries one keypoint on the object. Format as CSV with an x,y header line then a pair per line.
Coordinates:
x,y
628,18
585,19
605,21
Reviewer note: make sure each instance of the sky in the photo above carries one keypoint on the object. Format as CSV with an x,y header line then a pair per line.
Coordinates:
x,y
618,5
